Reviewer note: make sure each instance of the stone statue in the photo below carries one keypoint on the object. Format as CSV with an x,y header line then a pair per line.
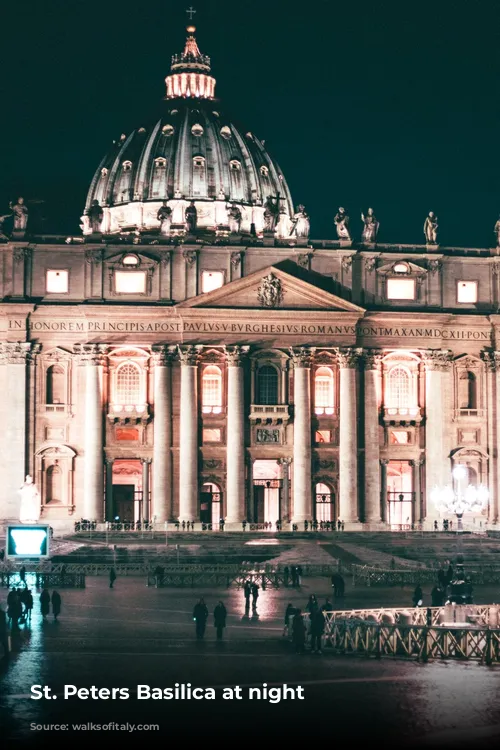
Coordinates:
x,y
270,293
191,216
431,228
164,216
300,224
370,230
271,213
342,224
284,225
20,211
234,217
95,214
496,230
222,195
30,502
2,219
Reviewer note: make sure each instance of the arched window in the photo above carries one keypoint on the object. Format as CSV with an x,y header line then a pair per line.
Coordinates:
x,y
236,179
267,385
467,391
159,175
199,176
323,390
324,506
211,390
128,384
53,485
123,184
398,388
55,385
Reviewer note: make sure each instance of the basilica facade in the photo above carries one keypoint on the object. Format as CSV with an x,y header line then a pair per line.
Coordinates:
x,y
193,355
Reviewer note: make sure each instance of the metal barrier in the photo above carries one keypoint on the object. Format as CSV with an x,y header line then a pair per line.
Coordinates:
x,y
45,579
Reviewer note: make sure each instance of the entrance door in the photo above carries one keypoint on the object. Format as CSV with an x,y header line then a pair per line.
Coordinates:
x,y
123,501
206,507
258,504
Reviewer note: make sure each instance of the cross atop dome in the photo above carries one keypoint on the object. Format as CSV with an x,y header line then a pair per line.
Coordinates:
x,y
191,11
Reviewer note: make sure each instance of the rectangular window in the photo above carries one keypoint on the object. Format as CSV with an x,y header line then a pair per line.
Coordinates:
x,y
400,437
212,435
323,436
401,289
130,282
467,292
211,280
57,282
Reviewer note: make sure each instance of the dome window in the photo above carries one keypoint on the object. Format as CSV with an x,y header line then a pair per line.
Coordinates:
x,y
104,172
226,132
122,137
197,130
199,162
160,163
167,130
130,260
264,171
141,130
174,111
127,166
216,113
235,165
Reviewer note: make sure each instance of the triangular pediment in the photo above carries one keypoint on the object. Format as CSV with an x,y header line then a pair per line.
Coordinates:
x,y
279,289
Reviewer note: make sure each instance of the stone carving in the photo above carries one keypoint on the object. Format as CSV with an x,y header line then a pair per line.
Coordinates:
x,y
431,228
301,356
303,260
324,464
372,359
236,259
267,436
271,213
29,511
164,216
495,268
191,216
235,355
301,225
2,220
20,211
348,357
283,227
190,257
95,214
91,354
342,224
370,264
434,265
212,463
18,354
234,217
93,256
165,259
270,292
21,253
222,195
347,263
437,359
371,225
189,355
57,355
492,360
496,231
162,355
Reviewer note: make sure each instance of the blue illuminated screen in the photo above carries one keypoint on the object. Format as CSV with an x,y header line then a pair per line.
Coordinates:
x,y
27,541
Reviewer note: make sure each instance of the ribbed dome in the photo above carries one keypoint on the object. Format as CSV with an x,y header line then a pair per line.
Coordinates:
x,y
193,153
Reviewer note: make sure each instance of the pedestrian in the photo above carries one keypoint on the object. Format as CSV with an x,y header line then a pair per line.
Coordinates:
x,y
22,575
56,604
255,594
2,555
449,573
327,606
338,585
286,574
436,526
220,614
4,636
112,577
14,609
45,603
317,630
343,525
437,596
247,590
299,632
299,575
289,613
28,604
312,605
418,596
339,524
200,615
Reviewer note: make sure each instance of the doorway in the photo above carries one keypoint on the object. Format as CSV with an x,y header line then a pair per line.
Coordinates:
x,y
210,504
127,490
267,486
123,501
325,503
400,495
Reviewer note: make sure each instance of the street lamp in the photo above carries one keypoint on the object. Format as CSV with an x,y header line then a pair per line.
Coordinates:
x,y
468,500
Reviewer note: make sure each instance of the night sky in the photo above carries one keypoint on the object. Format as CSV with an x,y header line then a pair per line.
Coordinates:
x,y
390,105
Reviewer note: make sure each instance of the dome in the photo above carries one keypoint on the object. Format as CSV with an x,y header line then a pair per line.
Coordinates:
x,y
193,153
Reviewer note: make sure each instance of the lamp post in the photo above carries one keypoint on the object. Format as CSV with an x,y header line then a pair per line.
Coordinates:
x,y
463,500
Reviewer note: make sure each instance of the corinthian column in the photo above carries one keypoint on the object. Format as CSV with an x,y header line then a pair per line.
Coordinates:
x,y
235,481
162,434
302,492
492,361
437,466
16,360
348,436
372,448
93,358
188,453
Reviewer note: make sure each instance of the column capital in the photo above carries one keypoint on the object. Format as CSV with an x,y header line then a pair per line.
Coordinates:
x,y
109,461
235,355
384,461
372,359
145,461
162,355
492,360
190,257
416,462
91,354
189,355
348,357
284,461
302,356
437,359
18,353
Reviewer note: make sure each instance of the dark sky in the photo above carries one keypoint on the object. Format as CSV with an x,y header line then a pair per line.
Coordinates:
x,y
390,105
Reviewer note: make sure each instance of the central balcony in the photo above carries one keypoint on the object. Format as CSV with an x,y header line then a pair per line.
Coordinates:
x,y
269,413
402,414
128,413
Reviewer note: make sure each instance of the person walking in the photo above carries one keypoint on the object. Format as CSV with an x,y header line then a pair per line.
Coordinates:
x,y
220,614
45,603
4,636
22,575
200,615
299,632
56,604
255,595
112,577
247,590
317,630
418,596
289,613
28,603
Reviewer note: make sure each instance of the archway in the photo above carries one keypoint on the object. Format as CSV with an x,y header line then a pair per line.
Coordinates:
x,y
324,506
400,495
267,485
211,504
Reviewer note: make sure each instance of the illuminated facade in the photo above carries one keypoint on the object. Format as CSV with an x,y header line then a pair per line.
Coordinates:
x,y
223,367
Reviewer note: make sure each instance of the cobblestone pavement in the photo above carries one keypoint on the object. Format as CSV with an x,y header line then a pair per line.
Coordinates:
x,y
134,635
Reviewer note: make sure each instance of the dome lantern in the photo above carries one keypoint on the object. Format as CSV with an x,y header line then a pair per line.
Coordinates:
x,y
190,72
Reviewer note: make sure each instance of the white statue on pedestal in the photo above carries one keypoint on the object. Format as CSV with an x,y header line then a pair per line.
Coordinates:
x,y
30,502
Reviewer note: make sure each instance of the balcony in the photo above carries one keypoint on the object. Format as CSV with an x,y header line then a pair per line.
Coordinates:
x,y
402,414
468,413
55,408
128,413
216,411
326,411
269,413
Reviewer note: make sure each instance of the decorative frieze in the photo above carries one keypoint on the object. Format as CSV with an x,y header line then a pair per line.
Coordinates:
x,y
263,435
18,353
